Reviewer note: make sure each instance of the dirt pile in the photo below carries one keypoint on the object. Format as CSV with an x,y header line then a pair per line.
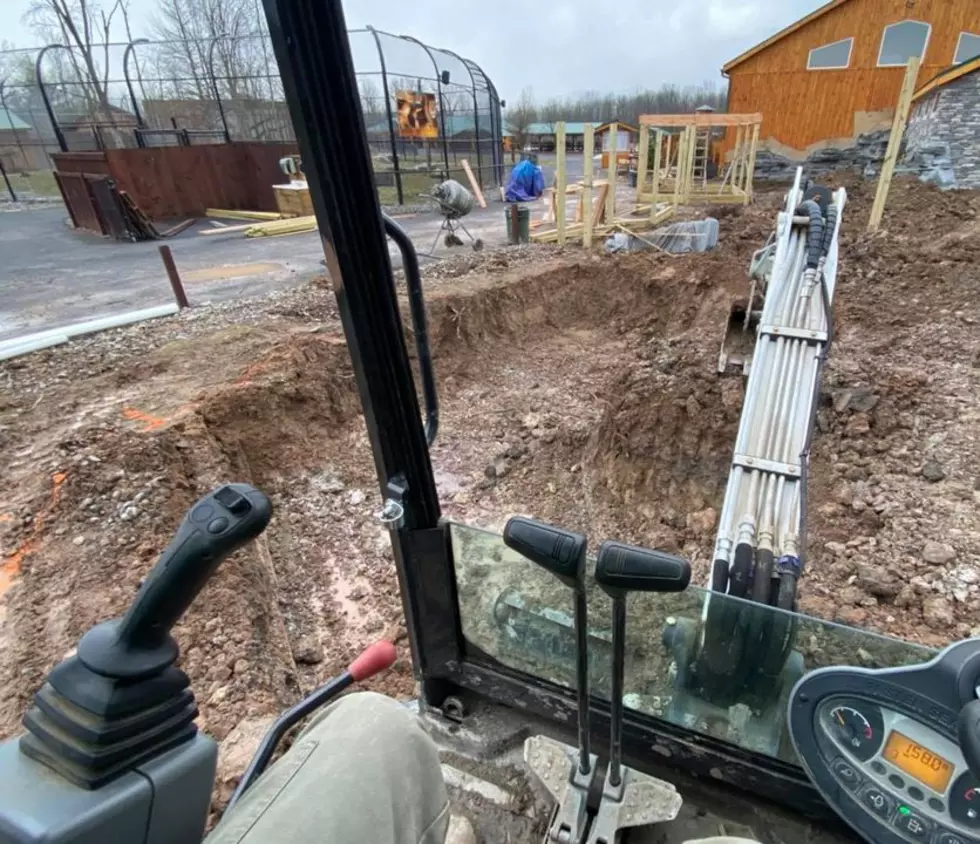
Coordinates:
x,y
897,460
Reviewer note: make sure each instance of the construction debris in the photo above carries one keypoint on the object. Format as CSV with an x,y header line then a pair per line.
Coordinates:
x,y
676,239
140,226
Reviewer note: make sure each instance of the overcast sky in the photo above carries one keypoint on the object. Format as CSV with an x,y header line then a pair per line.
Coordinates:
x,y
557,47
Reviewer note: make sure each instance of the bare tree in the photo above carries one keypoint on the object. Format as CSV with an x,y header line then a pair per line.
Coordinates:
x,y
668,99
372,101
85,28
551,113
520,116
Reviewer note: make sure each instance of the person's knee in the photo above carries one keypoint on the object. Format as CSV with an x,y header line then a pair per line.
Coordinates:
x,y
372,720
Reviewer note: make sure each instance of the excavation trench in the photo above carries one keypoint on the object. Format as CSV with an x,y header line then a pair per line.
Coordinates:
x,y
549,385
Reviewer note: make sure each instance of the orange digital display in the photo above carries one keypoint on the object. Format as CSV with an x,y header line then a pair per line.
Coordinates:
x,y
927,767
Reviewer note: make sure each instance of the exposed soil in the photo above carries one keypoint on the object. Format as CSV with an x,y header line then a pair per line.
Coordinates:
x,y
579,388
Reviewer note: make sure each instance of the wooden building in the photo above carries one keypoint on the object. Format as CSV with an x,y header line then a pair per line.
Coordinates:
x,y
837,72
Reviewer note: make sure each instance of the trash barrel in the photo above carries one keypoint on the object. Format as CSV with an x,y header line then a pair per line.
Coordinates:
x,y
523,232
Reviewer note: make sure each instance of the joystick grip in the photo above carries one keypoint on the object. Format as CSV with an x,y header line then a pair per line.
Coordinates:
x,y
624,568
215,527
559,551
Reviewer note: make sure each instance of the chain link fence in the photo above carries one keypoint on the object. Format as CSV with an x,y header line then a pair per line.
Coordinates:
x,y
426,110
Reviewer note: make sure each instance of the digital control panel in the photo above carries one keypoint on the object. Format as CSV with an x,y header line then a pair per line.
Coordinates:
x,y
902,772
896,751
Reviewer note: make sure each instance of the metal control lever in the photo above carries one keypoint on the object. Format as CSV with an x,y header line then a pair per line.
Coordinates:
x,y
111,750
631,798
567,774
139,644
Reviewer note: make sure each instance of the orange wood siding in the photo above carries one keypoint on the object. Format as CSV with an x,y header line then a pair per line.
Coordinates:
x,y
801,107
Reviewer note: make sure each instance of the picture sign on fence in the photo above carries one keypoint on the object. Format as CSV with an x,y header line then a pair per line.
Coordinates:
x,y
417,114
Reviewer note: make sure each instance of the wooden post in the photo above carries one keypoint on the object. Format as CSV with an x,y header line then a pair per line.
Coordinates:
x,y
611,195
474,184
681,158
560,180
657,142
750,165
588,149
690,150
894,144
174,276
641,164
737,166
667,154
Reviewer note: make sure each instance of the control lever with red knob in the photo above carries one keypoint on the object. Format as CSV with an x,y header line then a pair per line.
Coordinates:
x,y
373,660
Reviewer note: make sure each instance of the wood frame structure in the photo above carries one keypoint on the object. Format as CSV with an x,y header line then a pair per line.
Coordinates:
x,y
681,176
595,213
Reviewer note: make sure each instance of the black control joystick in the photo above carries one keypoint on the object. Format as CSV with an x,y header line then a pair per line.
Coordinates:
x,y
121,700
621,569
139,644
562,553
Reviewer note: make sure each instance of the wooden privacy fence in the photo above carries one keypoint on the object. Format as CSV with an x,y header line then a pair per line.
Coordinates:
x,y
172,182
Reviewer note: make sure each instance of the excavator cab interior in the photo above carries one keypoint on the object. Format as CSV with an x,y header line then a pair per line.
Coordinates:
x,y
579,689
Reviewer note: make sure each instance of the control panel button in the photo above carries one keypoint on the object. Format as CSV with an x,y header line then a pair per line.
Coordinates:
x,y
947,837
202,513
916,793
878,802
877,767
844,771
896,781
913,825
936,805
218,525
237,504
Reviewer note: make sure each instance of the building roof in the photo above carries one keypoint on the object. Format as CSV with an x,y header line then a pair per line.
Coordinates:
x,y
9,120
949,75
620,124
789,30
574,127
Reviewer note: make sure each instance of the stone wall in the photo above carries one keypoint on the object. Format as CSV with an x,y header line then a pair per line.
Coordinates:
x,y
943,137
941,144
863,156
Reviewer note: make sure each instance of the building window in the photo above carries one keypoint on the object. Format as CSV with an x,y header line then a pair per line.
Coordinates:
x,y
968,47
901,41
834,56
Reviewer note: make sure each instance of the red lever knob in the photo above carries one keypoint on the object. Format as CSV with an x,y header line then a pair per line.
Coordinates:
x,y
372,660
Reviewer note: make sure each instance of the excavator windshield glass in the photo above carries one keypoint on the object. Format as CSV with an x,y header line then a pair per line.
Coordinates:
x,y
521,616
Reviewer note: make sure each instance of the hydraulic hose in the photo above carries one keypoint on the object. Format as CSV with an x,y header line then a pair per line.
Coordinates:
x,y
815,232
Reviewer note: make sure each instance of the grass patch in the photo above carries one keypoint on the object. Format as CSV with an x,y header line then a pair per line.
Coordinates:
x,y
35,183
413,185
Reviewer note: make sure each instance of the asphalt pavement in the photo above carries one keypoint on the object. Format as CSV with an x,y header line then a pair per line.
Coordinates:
x,y
52,275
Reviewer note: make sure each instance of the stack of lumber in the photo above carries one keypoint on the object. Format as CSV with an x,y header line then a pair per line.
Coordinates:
x,y
294,225
232,214
632,225
293,200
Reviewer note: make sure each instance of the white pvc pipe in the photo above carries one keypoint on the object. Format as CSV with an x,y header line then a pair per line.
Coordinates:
x,y
52,337
9,349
